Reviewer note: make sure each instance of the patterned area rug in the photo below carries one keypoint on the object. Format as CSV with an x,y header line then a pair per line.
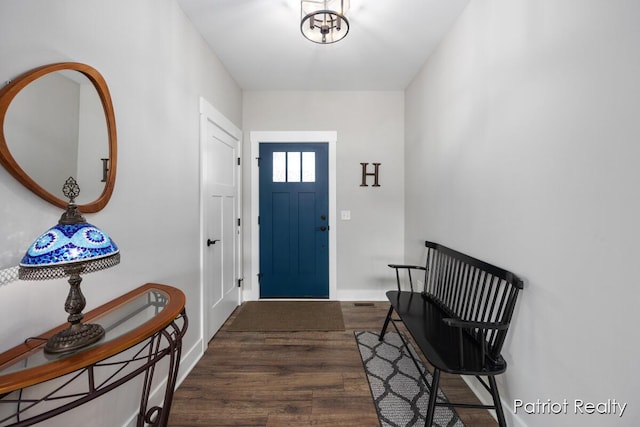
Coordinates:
x,y
400,395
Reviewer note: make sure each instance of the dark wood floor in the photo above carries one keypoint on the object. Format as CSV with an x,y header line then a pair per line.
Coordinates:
x,y
292,379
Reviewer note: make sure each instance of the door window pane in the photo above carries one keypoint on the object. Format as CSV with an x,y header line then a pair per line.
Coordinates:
x,y
293,166
279,166
309,167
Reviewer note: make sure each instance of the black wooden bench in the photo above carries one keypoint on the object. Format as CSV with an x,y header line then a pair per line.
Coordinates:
x,y
458,318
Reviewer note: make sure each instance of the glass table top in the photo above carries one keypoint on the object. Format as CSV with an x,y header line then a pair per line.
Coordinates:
x,y
116,322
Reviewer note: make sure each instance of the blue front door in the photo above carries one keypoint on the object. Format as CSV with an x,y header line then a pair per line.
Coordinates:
x,y
294,220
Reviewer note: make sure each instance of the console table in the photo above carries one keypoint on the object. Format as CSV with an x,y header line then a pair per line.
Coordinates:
x,y
144,330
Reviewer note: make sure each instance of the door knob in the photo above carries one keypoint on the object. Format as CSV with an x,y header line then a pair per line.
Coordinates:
x,y
323,228
212,242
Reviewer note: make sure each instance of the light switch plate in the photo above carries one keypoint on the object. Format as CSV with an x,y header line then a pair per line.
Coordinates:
x,y
345,215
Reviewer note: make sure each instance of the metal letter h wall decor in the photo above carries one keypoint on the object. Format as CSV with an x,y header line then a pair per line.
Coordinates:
x,y
374,174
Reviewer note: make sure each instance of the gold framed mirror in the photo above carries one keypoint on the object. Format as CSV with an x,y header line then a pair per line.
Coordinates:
x,y
57,121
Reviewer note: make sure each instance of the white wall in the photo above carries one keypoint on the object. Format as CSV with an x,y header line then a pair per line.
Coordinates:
x,y
370,129
157,66
522,149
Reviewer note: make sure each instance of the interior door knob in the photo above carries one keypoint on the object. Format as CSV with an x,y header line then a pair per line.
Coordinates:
x,y
323,228
212,242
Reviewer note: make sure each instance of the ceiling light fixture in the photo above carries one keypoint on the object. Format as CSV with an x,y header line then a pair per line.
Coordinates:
x,y
324,21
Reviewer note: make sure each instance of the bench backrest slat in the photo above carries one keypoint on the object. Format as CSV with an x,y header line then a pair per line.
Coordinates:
x,y
473,290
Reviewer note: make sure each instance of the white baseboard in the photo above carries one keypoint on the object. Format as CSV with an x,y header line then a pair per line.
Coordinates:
x,y
485,397
342,295
189,360
362,295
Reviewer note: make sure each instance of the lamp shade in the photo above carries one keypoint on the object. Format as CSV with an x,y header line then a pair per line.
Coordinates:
x,y
65,246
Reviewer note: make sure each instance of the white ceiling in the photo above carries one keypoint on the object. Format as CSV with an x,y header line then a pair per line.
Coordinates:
x,y
260,43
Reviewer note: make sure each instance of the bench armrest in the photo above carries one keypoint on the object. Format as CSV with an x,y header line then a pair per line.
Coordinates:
x,y
459,323
482,326
399,267
414,267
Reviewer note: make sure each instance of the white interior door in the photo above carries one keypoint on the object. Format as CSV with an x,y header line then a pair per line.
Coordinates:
x,y
220,176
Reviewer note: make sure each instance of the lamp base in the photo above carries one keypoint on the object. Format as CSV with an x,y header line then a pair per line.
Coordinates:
x,y
74,337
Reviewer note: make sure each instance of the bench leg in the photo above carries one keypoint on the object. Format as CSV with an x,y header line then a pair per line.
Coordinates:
x,y
433,395
386,324
496,401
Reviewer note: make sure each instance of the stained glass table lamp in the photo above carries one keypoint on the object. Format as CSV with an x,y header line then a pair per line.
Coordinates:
x,y
70,248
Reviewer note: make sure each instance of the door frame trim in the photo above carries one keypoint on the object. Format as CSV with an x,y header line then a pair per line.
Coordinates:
x,y
300,137
209,112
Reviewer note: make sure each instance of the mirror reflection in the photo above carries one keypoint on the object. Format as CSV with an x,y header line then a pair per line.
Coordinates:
x,y
56,128
56,122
